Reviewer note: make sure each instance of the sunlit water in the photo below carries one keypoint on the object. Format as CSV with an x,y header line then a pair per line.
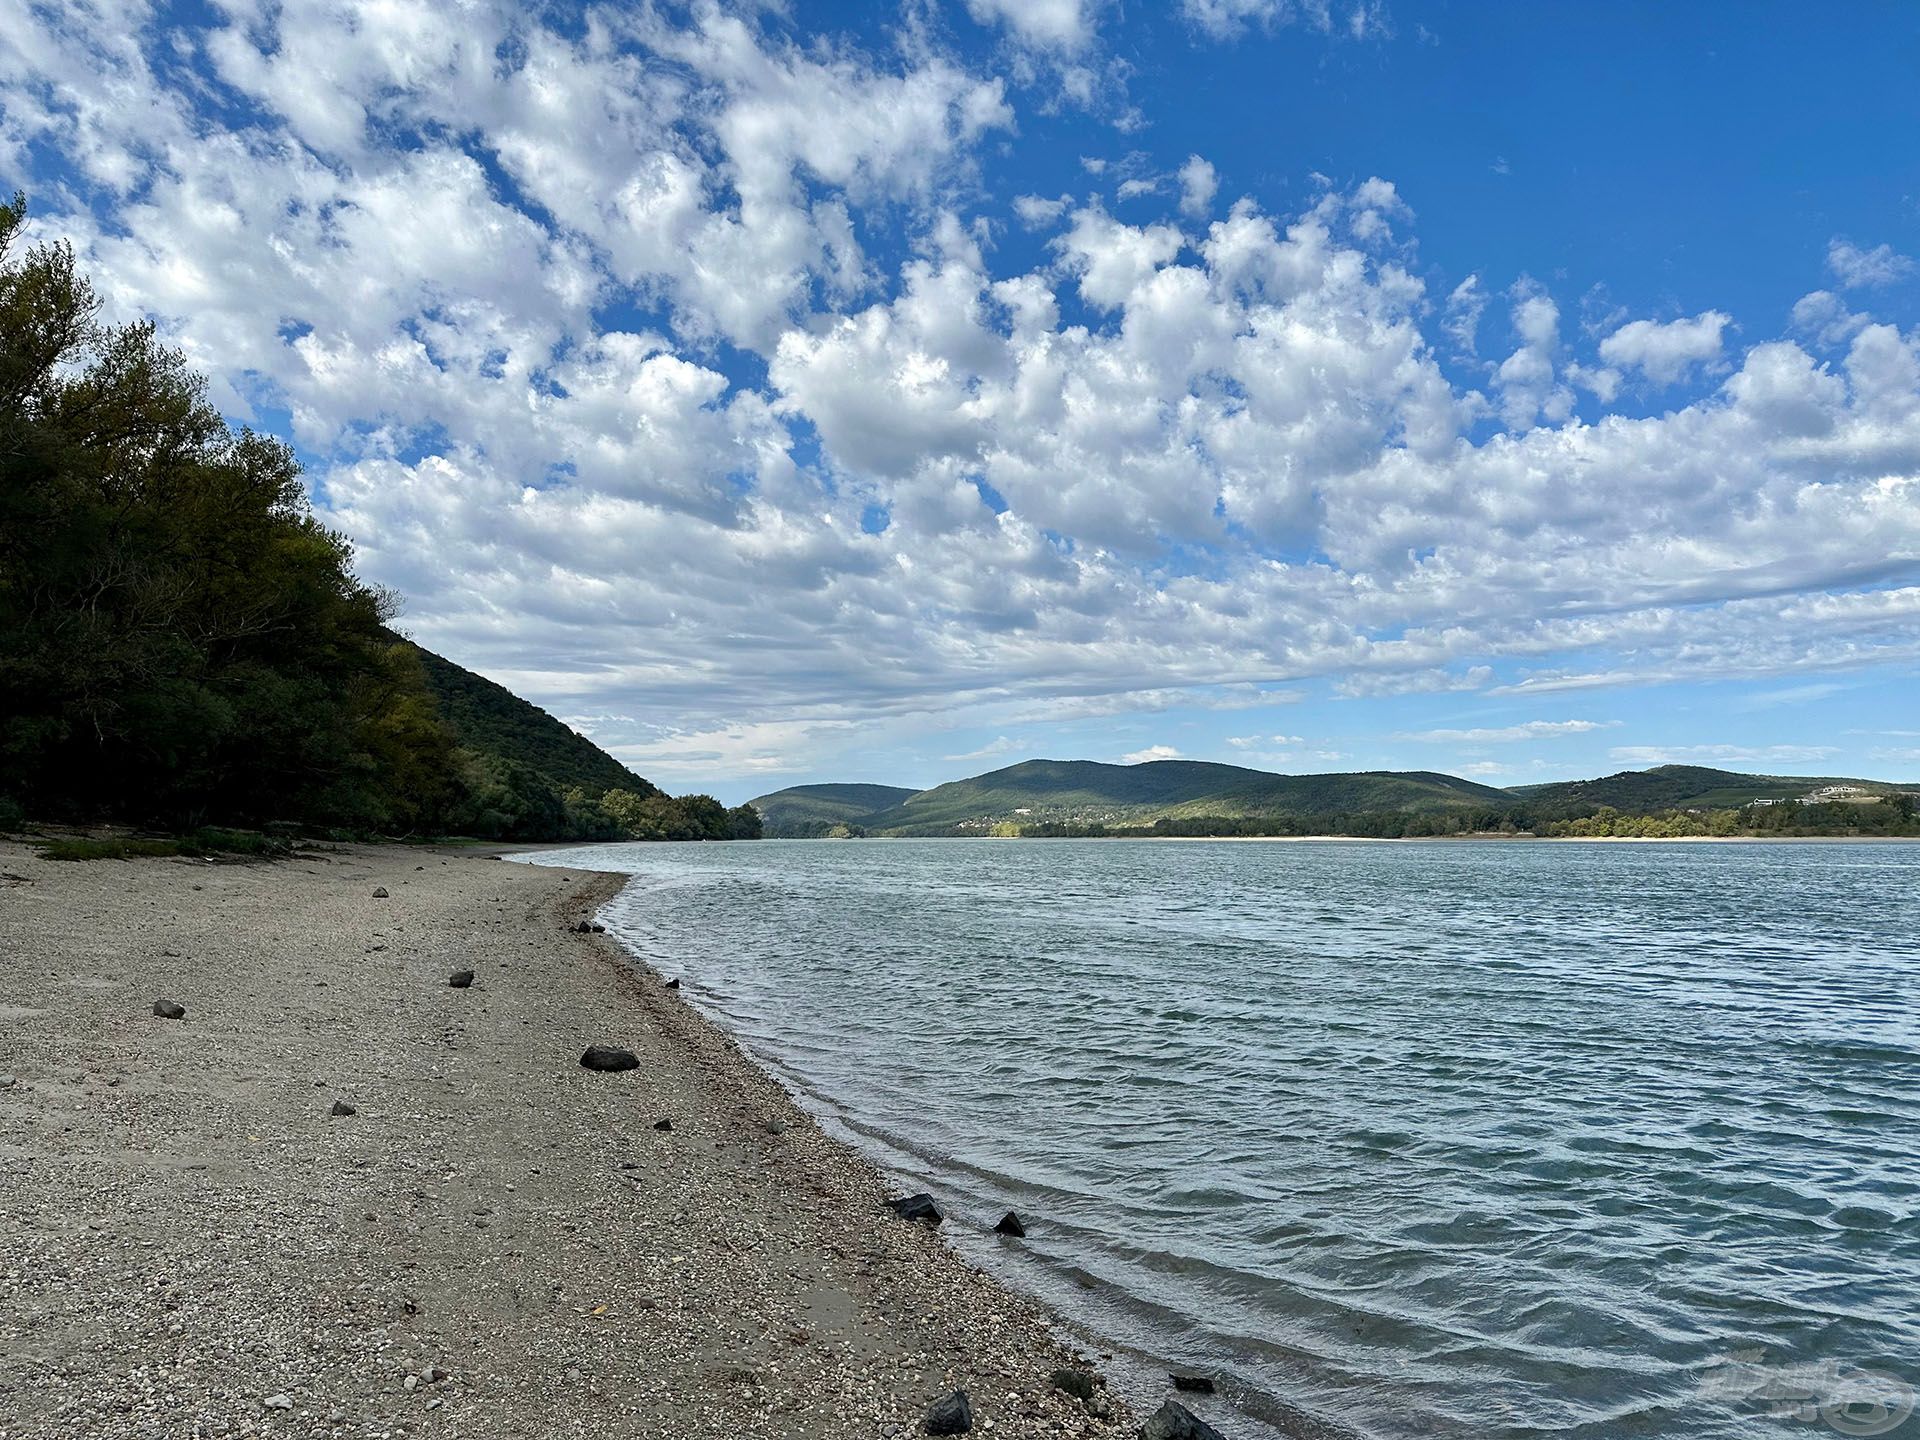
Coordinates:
x,y
1399,1140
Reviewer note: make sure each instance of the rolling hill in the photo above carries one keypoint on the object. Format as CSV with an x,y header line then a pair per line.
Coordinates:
x,y
805,812
1683,787
1200,797
1086,792
491,720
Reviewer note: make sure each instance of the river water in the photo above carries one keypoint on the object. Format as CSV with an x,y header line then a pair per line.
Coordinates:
x,y
1446,1139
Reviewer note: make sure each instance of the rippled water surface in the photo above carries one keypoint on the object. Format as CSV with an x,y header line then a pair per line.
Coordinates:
x,y
1405,1140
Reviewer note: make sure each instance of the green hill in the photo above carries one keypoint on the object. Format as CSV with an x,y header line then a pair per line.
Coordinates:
x,y
491,720
1086,792
1683,787
805,812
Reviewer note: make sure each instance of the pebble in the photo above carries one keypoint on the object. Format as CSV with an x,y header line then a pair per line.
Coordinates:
x,y
169,1010
278,1402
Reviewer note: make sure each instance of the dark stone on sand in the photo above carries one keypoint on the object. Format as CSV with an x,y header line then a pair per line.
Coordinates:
x,y
341,1107
379,892
1077,1383
609,1058
1173,1421
663,1124
1193,1384
460,979
916,1207
1011,1224
951,1416
588,927
168,1010
673,984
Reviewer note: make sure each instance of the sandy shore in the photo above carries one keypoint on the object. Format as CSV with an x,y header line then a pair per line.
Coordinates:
x,y
498,1244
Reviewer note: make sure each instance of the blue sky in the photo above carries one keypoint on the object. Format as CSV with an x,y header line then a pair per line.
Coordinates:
x,y
888,392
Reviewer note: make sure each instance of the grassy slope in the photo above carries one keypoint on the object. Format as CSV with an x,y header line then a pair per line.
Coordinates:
x,y
1086,790
800,806
493,720
1678,787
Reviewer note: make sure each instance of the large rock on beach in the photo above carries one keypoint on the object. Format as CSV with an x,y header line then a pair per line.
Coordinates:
x,y
916,1207
1195,1384
951,1416
1173,1421
169,1010
1077,1383
609,1058
460,979
1011,1224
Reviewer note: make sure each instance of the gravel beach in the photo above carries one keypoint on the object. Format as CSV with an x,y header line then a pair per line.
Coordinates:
x,y
496,1241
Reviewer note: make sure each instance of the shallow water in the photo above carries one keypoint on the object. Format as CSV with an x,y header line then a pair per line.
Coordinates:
x,y
1400,1140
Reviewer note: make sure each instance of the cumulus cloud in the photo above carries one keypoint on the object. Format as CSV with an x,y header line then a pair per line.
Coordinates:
x,y
1665,352
587,337
1854,267
1198,185
1066,25
1152,752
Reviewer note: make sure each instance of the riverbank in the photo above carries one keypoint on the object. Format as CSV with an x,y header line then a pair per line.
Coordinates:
x,y
498,1243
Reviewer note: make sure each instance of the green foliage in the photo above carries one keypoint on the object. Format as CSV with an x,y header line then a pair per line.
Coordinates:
x,y
493,721
690,817
179,638
1674,787
182,642
808,812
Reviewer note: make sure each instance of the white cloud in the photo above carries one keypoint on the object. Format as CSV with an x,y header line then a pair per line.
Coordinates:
x,y
1823,317
1152,752
1223,19
1528,389
1065,25
1528,730
1854,267
1198,185
1665,352
1464,308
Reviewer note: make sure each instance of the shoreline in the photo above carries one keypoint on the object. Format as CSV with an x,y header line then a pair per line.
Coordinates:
x,y
499,1243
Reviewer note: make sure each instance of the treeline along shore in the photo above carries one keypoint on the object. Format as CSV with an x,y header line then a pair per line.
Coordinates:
x,y
184,645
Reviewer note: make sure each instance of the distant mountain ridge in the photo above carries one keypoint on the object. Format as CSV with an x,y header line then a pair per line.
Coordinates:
x,y
1688,787
1195,796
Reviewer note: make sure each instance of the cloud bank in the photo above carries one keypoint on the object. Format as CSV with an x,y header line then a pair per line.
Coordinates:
x,y
665,361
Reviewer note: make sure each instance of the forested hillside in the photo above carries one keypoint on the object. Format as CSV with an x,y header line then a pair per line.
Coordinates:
x,y
183,643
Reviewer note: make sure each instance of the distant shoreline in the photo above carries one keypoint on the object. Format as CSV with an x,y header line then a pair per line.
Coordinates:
x,y
1368,839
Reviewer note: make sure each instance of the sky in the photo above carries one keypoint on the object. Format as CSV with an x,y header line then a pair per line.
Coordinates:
x,y
784,393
